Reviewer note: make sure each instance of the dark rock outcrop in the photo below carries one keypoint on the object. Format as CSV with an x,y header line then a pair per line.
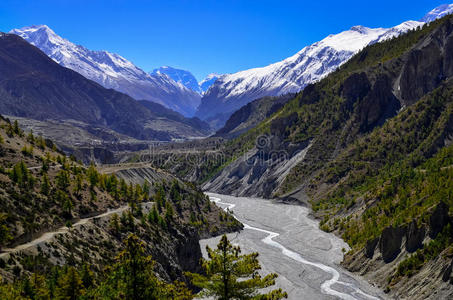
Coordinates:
x,y
354,88
370,247
439,219
379,105
414,237
421,73
446,273
390,242
428,65
279,126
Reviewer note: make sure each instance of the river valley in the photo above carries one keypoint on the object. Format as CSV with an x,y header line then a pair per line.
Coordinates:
x,y
291,244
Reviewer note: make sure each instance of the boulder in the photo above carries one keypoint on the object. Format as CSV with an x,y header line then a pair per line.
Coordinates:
x,y
390,242
414,237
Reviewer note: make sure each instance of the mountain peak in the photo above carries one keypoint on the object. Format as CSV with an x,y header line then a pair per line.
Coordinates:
x,y
438,12
183,77
111,70
359,28
34,29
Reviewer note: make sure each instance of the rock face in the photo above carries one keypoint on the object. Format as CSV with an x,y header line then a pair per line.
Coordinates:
x,y
355,88
446,273
414,237
259,171
379,104
390,243
427,65
438,220
370,247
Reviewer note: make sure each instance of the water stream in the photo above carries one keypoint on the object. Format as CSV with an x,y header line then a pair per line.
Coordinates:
x,y
326,286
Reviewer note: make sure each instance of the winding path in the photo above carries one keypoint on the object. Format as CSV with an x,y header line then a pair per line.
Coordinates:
x,y
326,286
62,230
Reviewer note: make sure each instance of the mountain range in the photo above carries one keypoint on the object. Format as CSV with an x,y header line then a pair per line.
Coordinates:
x,y
216,97
112,71
33,86
312,63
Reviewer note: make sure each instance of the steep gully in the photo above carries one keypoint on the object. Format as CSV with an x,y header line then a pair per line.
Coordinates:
x,y
344,290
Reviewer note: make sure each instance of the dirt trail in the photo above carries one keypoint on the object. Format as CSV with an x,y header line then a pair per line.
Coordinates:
x,y
62,230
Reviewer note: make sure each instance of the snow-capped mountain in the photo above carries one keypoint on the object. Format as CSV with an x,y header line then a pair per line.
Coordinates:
x,y
181,76
112,71
312,63
187,79
206,83
437,13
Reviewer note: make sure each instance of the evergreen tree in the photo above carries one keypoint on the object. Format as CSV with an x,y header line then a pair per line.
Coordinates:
x,y
4,230
45,185
132,276
70,285
230,275
114,224
78,184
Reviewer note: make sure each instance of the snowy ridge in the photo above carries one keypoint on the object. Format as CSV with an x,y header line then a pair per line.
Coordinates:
x,y
187,79
437,13
309,65
112,70
182,77
208,81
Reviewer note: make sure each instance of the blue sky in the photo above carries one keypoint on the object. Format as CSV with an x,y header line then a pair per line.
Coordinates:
x,y
205,36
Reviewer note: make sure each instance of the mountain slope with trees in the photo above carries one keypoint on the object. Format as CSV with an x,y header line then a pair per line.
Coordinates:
x,y
369,147
42,190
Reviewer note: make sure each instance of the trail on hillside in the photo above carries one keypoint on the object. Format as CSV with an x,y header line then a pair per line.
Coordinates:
x,y
62,230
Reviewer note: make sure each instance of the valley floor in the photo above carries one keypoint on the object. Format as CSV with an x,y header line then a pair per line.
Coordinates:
x,y
291,244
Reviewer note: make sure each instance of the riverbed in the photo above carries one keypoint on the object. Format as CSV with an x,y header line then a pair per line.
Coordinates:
x,y
291,244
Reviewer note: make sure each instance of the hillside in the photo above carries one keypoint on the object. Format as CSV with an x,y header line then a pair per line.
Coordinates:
x,y
365,147
112,71
251,114
35,87
55,211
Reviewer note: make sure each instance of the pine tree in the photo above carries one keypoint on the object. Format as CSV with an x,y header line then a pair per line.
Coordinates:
x,y
16,128
168,212
153,216
132,276
114,224
78,184
4,230
70,285
229,275
93,176
45,185
87,276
